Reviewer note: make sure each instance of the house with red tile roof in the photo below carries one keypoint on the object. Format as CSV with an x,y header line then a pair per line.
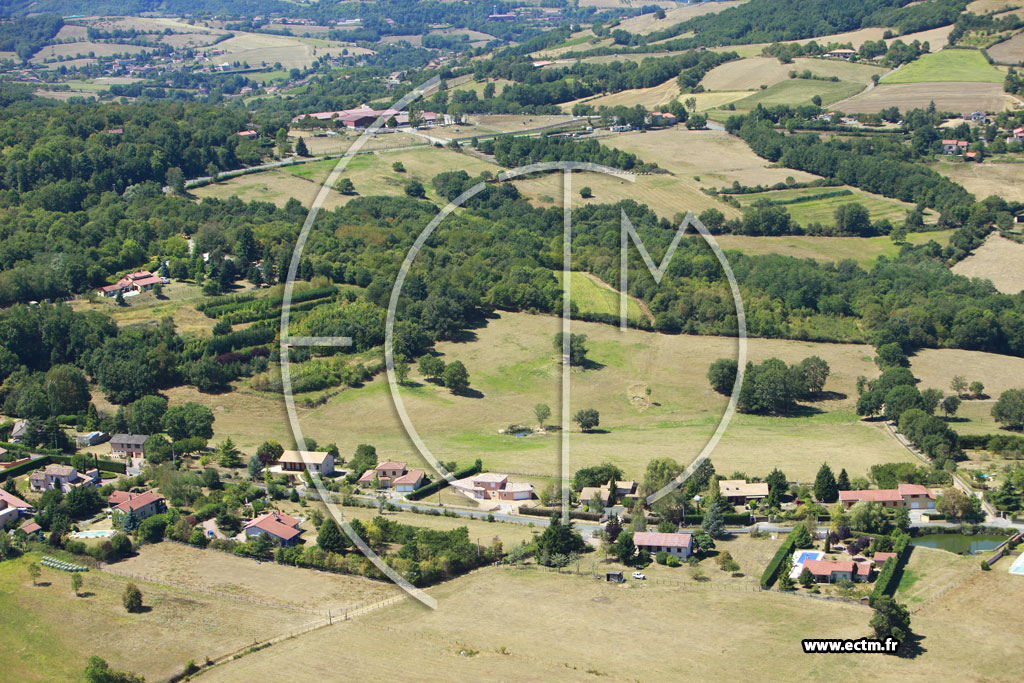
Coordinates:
x,y
280,527
128,513
654,542
954,146
384,473
912,496
410,481
117,497
831,571
880,558
493,486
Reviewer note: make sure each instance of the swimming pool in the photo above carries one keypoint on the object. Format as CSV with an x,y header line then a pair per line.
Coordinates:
x,y
103,533
801,556
1018,566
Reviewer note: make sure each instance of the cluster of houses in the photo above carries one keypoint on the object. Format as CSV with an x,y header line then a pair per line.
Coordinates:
x,y
133,283
363,116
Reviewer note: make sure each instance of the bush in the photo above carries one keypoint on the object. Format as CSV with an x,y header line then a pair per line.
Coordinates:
x,y
672,561
132,598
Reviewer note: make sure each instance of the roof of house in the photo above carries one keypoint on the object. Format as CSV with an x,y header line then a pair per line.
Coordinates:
x,y
59,471
587,493
150,280
739,487
139,501
410,477
873,495
880,558
914,490
129,439
276,524
30,527
829,567
117,497
490,476
518,486
391,465
648,538
318,457
13,500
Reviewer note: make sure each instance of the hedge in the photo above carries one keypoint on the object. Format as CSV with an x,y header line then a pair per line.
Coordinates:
x,y
997,443
888,578
547,512
99,463
435,486
24,467
772,570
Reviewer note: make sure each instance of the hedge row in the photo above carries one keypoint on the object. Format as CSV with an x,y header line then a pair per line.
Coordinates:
x,y
24,467
888,578
772,570
997,443
99,463
435,486
547,512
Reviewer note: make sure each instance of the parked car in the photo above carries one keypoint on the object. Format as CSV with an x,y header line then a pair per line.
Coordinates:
x,y
639,575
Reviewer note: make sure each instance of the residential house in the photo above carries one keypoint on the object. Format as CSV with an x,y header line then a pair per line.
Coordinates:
x,y
136,508
841,53
409,482
654,542
320,462
62,477
133,282
32,529
625,493
831,571
740,492
19,431
248,134
8,514
90,439
384,473
493,486
127,445
280,527
913,496
662,118
954,146
978,116
15,502
880,558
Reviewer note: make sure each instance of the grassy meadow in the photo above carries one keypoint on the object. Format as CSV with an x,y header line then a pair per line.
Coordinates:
x,y
822,210
864,250
947,66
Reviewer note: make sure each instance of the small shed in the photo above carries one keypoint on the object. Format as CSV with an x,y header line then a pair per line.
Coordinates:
x,y
614,577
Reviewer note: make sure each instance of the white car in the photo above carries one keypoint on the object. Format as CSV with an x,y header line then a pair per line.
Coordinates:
x,y
639,575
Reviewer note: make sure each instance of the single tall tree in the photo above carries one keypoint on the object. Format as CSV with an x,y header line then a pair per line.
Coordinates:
x,y
825,487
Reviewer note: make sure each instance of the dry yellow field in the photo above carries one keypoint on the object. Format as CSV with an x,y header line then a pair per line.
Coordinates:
x,y
1009,51
1005,180
999,260
239,576
991,6
84,48
937,367
947,97
752,73
863,250
698,634
715,157
647,23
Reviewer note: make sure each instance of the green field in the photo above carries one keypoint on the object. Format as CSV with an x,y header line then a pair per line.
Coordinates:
x,y
948,65
864,250
823,210
592,297
798,91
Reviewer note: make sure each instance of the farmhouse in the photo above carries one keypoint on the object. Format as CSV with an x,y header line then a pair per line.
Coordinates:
x,y
913,496
62,477
133,282
280,527
954,146
320,462
740,492
679,545
830,571
127,445
662,118
493,486
130,512
841,53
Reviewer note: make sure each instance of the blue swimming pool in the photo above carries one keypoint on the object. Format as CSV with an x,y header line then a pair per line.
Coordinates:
x,y
804,555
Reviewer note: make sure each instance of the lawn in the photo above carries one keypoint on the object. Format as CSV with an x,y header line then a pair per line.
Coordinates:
x,y
948,66
51,633
823,210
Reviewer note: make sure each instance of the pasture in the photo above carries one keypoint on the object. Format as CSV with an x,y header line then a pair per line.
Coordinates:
x,y
83,49
823,208
1009,51
648,23
764,629
591,295
999,260
1003,179
968,66
53,633
864,250
947,96
798,91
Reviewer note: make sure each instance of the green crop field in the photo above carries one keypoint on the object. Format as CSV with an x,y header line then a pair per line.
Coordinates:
x,y
864,250
948,66
591,296
798,91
